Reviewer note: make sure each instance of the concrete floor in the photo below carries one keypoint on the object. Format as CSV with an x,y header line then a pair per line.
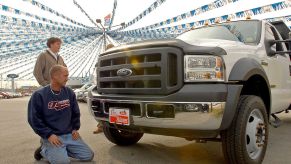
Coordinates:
x,y
18,142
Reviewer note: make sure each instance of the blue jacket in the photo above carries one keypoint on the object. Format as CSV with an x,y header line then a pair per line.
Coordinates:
x,y
53,114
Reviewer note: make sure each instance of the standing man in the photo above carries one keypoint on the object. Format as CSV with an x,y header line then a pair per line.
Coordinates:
x,y
46,60
53,114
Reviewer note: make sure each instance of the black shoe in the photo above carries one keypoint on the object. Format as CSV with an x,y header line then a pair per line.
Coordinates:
x,y
37,155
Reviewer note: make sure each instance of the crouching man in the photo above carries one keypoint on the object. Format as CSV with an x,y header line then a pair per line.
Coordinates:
x,y
53,114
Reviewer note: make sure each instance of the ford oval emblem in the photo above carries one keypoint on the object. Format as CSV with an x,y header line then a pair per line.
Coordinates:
x,y
124,72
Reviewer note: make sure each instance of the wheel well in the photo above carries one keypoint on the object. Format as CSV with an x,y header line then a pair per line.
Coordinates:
x,y
256,85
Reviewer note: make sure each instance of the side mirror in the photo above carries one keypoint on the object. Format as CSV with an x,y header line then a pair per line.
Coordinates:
x,y
271,47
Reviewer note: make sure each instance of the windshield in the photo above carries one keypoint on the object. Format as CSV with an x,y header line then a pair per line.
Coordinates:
x,y
247,32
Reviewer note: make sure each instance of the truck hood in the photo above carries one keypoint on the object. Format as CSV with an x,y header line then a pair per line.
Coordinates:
x,y
210,47
214,43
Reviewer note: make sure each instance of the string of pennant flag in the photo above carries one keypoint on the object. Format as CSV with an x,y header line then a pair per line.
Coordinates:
x,y
202,9
29,23
39,41
152,7
84,12
52,11
23,38
284,19
113,14
39,18
238,15
159,35
15,33
149,32
125,38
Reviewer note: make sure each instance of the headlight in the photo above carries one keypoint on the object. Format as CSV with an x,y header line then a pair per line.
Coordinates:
x,y
95,76
199,68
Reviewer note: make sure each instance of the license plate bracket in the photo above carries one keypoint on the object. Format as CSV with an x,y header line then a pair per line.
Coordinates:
x,y
119,116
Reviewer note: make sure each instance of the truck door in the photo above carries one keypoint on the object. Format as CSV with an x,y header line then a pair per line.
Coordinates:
x,y
278,70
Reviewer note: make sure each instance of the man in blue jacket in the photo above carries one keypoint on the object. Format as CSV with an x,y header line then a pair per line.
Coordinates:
x,y
53,114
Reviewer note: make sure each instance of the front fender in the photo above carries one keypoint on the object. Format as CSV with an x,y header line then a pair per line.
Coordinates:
x,y
243,70
246,68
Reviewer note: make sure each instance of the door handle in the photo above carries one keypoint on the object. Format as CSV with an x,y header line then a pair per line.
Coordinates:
x,y
265,63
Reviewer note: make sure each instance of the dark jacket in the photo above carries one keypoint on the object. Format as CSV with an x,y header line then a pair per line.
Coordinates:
x,y
53,114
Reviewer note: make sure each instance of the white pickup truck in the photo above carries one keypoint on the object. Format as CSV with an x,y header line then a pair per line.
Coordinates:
x,y
222,82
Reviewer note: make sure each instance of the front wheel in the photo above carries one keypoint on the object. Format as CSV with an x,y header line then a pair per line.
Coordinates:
x,y
121,137
245,142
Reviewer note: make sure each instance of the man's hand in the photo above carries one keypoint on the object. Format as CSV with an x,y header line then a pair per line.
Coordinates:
x,y
54,140
75,134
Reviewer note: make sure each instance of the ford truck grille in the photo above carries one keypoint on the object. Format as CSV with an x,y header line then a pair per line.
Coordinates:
x,y
143,71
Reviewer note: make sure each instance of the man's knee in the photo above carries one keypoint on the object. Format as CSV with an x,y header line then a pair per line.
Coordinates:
x,y
57,157
88,156
63,160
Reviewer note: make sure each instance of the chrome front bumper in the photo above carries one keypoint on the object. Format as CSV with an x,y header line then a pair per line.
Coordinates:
x,y
169,115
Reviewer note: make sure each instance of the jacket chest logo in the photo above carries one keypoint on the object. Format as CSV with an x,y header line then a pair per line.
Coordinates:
x,y
59,105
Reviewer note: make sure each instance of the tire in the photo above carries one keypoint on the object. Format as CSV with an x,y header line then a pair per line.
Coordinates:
x,y
121,137
245,142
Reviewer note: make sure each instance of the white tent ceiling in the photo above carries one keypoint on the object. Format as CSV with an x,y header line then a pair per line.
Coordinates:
x,y
128,9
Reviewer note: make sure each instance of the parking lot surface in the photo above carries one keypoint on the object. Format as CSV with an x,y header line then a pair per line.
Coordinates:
x,y
18,142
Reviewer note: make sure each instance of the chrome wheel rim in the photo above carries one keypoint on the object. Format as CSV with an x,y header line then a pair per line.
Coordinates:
x,y
255,134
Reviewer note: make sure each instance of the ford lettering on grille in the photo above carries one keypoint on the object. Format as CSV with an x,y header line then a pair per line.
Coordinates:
x,y
124,72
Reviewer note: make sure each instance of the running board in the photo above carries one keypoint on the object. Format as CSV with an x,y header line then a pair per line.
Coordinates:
x,y
277,122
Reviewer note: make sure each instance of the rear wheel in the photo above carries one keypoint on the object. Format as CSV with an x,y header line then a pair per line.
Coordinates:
x,y
121,137
246,139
